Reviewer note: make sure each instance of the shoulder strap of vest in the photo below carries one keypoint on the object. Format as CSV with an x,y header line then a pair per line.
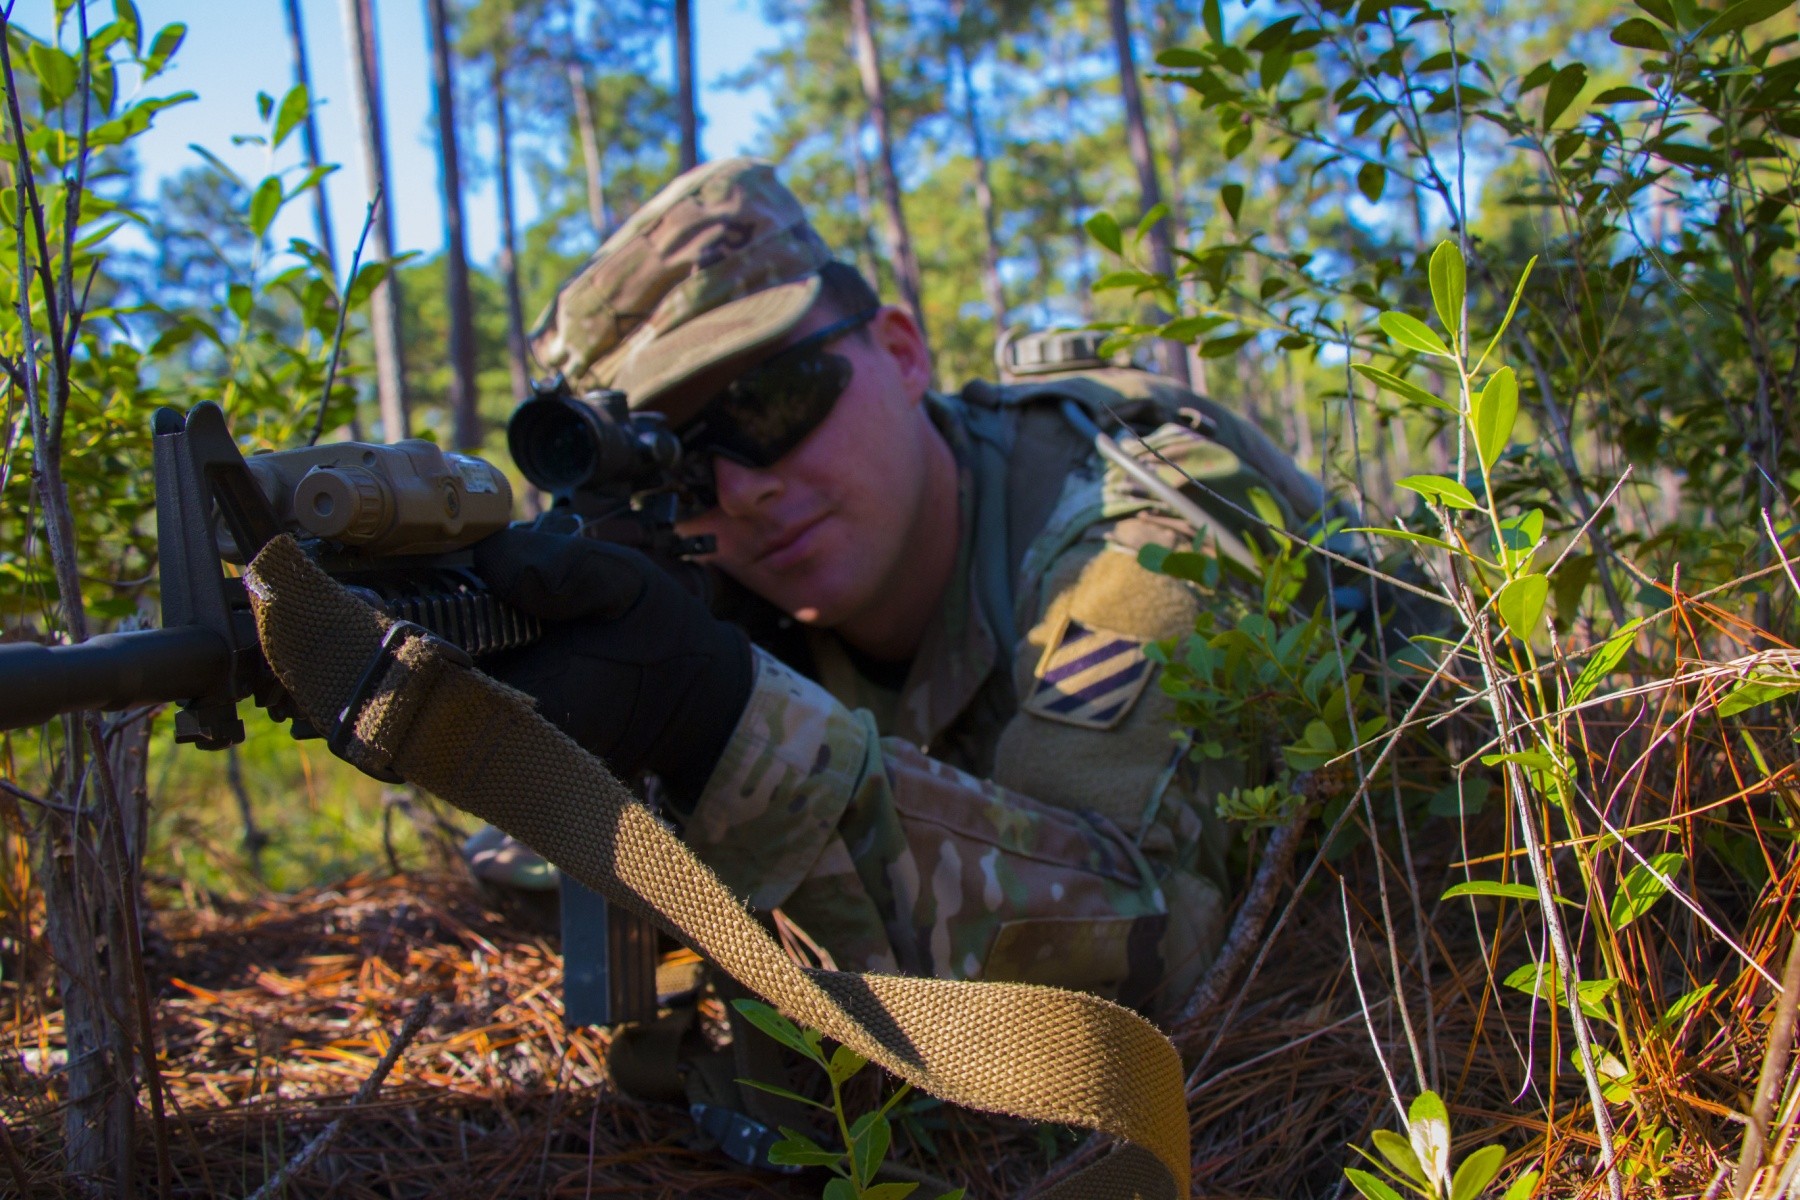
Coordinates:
x,y
992,430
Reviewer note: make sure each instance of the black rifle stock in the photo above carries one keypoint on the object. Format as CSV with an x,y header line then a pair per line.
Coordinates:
x,y
395,524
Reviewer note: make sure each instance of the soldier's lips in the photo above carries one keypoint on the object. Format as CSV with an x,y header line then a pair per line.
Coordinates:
x,y
792,545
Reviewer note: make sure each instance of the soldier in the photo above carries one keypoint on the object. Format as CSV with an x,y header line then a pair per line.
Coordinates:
x,y
940,749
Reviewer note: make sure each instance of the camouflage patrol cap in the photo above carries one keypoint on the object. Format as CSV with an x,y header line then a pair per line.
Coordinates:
x,y
715,269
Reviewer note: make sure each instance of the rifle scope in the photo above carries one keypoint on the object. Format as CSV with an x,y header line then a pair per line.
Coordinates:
x,y
564,443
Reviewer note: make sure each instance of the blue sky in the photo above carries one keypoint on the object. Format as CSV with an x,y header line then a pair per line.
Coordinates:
x,y
236,48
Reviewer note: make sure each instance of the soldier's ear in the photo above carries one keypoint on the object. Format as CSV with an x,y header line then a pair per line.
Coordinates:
x,y
896,334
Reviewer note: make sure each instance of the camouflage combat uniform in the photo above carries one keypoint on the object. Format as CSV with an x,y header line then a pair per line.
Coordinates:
x,y
1019,808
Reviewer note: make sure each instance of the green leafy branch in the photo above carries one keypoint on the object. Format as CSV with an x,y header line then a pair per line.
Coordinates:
x,y
866,1139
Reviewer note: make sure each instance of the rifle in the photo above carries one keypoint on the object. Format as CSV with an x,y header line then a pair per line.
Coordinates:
x,y
395,524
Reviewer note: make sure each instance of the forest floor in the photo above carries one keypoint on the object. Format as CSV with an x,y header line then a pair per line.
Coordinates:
x,y
271,1013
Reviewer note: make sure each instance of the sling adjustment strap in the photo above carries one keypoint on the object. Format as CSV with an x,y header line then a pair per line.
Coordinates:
x,y
1039,1053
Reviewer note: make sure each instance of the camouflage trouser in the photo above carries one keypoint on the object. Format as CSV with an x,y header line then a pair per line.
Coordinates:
x,y
895,862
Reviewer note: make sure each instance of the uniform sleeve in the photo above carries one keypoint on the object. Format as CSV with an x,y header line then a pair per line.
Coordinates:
x,y
894,861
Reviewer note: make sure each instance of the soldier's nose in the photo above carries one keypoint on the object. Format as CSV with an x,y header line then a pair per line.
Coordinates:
x,y
741,489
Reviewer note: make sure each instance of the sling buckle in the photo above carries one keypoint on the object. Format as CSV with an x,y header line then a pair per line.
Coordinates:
x,y
385,656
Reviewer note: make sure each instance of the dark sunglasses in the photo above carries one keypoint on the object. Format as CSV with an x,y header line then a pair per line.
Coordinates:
x,y
766,411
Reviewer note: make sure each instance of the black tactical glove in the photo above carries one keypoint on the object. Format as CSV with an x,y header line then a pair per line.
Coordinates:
x,y
631,665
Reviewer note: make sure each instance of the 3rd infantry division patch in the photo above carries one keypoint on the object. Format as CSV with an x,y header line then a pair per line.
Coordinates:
x,y
1088,677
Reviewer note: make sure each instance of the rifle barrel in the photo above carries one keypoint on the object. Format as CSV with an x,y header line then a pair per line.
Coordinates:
x,y
113,671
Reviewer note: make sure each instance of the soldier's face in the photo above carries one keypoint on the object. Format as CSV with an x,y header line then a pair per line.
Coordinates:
x,y
825,532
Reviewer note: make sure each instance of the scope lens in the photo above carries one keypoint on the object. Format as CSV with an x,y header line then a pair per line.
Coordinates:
x,y
553,443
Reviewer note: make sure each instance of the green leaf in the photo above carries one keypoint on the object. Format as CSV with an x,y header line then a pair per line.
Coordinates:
x,y
1428,1125
1186,329
958,1194
1744,14
1413,333
215,162
869,1144
265,203
1399,1152
801,1152
840,1189
1113,280
1371,180
888,1191
1103,227
1685,1005
1405,535
1213,20
1623,95
775,1025
1494,413
1535,760
130,24
1755,691
1387,381
1180,57
1539,979
1147,222
162,47
1448,284
845,1063
1231,195
1439,489
784,1093
1640,34
1521,603
1522,1188
1565,85
1477,1171
239,299
1229,343
294,107
1604,661
368,278
1263,501
1641,888
1518,290
1519,538
1492,887
1369,1185
56,72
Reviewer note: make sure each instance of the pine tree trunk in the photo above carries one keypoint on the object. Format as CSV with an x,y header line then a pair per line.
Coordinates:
x,y
309,131
384,304
685,108
868,258
991,283
587,134
1166,35
1076,195
900,247
509,238
1137,136
465,413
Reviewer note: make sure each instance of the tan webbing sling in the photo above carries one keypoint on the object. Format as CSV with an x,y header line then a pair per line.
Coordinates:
x,y
1040,1053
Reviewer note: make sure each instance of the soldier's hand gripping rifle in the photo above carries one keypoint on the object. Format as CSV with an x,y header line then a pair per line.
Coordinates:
x,y
396,524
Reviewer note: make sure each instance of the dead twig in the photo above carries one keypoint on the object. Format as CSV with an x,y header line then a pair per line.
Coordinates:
x,y
415,1021
1246,929
1774,1071
337,335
